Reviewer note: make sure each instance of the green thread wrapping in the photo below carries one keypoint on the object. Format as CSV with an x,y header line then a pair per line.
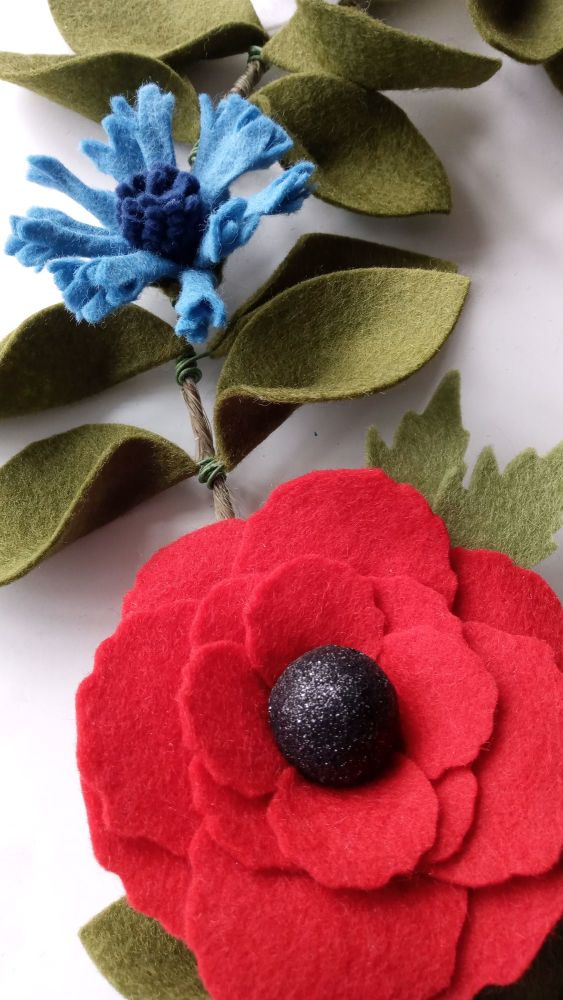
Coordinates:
x,y
187,366
209,470
255,55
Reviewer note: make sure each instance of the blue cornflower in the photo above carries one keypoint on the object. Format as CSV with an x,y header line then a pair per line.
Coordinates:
x,y
161,222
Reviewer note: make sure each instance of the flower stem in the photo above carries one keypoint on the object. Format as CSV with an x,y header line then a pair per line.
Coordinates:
x,y
205,446
249,80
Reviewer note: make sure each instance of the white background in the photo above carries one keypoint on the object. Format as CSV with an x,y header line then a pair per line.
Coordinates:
x,y
502,145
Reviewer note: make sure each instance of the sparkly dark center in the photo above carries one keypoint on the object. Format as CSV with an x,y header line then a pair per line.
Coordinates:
x,y
162,211
334,715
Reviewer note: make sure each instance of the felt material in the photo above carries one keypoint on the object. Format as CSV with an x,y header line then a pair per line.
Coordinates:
x,y
554,69
199,305
136,677
356,838
80,360
530,30
433,674
543,979
139,135
336,336
220,612
457,796
406,604
46,233
426,446
86,83
358,517
171,30
60,488
345,42
369,156
519,822
340,611
323,253
51,173
136,956
162,211
374,943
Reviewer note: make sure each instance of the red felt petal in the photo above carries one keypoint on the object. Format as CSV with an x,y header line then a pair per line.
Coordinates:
x,y
446,697
219,615
262,936
227,710
156,881
457,797
506,927
518,829
493,590
307,603
237,824
356,837
129,735
406,603
360,517
187,568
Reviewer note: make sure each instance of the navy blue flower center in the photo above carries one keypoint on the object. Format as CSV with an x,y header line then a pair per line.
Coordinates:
x,y
162,211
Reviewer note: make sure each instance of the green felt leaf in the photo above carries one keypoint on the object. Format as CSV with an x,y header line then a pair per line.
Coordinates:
x,y
323,253
555,71
171,30
427,447
59,489
139,958
369,155
336,336
86,83
343,41
528,30
51,360
542,981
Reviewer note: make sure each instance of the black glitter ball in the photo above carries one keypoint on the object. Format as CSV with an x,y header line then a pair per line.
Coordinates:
x,y
334,715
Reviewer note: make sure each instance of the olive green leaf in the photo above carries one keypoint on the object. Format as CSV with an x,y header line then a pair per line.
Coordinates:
x,y
528,30
336,336
323,253
51,360
342,41
427,447
543,980
171,30
86,83
138,958
59,489
555,71
370,158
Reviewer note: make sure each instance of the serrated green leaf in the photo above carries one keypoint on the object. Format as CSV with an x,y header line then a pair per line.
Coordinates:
x,y
336,336
370,158
139,958
427,447
86,83
171,30
528,30
51,360
543,980
342,41
61,488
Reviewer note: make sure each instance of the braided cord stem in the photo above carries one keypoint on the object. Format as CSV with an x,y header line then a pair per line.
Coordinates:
x,y
252,75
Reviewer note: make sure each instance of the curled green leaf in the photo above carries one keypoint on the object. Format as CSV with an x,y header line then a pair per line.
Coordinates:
x,y
528,30
51,360
342,41
336,336
61,488
370,158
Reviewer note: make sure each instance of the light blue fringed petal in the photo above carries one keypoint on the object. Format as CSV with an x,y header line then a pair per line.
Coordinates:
x,y
224,233
51,173
235,137
199,305
46,234
286,193
155,112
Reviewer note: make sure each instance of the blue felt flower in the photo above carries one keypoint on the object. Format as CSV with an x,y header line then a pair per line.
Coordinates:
x,y
161,222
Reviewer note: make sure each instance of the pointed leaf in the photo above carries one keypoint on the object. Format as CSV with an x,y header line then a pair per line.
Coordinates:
x,y
59,489
543,980
427,446
342,41
528,30
139,958
85,84
369,155
336,336
51,360
171,30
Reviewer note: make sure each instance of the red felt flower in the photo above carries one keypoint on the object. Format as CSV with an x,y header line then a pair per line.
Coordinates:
x,y
438,876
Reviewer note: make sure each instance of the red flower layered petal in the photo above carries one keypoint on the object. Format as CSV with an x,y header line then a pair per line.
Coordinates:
x,y
227,714
359,517
129,735
447,697
287,929
356,837
405,603
457,797
307,603
519,824
220,613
